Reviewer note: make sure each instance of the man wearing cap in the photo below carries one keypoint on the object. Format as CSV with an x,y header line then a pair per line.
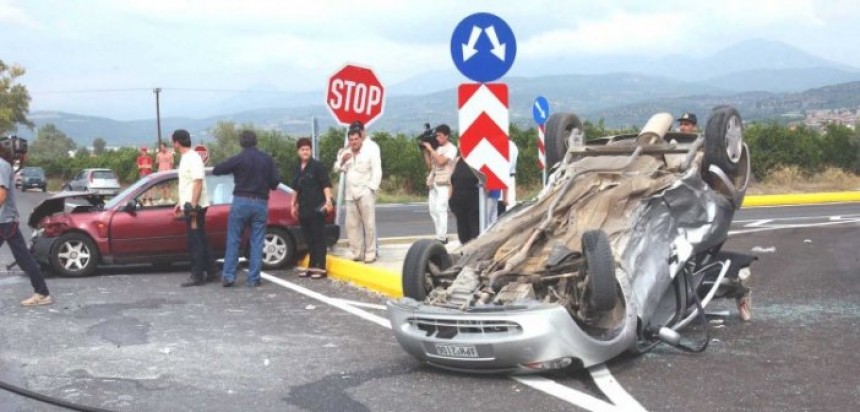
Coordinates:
x,y
443,159
687,123
144,163
362,169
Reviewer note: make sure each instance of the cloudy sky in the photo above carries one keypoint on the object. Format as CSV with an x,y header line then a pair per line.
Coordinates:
x,y
103,57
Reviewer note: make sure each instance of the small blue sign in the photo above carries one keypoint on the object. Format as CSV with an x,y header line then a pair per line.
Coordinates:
x,y
540,110
483,47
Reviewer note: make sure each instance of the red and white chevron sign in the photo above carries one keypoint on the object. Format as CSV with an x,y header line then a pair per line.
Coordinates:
x,y
540,146
483,121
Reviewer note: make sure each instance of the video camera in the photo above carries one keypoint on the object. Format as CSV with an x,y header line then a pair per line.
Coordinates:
x,y
18,147
428,136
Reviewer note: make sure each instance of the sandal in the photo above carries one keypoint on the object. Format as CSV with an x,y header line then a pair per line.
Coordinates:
x,y
318,273
304,273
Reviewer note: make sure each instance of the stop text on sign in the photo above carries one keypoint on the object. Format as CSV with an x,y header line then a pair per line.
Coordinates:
x,y
359,98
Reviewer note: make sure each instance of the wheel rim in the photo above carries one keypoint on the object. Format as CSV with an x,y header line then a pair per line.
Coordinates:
x,y
274,249
74,255
734,139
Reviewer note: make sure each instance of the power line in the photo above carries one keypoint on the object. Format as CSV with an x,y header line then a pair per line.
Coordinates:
x,y
149,89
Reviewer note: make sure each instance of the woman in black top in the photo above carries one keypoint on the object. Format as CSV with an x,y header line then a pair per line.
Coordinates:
x,y
464,200
310,204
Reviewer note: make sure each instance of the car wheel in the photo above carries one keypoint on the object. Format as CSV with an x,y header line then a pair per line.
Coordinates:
x,y
279,249
559,126
599,269
74,254
724,141
417,271
44,189
67,187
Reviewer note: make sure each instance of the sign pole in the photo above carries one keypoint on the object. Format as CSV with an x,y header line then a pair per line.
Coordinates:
x,y
540,112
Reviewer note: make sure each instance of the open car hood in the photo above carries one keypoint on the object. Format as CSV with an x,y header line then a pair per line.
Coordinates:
x,y
57,203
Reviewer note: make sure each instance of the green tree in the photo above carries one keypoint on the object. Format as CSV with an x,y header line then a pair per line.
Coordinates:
x,y
14,99
99,146
51,150
82,153
226,142
839,147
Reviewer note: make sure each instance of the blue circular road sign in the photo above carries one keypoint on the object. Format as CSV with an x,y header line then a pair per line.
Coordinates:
x,y
540,110
483,47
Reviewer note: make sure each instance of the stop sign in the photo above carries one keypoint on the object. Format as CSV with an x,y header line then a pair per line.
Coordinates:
x,y
203,152
354,93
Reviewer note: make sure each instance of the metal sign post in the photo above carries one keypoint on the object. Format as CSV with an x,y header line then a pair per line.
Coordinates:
x,y
540,112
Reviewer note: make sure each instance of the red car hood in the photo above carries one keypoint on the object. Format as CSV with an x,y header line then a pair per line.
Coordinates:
x,y
58,202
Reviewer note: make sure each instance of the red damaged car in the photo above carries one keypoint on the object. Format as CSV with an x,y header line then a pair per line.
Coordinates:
x,y
75,232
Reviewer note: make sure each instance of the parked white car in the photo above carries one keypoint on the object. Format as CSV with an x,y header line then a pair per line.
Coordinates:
x,y
98,181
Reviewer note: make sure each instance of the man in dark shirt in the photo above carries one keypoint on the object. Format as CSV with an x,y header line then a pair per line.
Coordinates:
x,y
254,174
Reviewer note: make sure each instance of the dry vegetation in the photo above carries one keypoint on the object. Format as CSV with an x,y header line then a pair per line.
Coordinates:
x,y
792,180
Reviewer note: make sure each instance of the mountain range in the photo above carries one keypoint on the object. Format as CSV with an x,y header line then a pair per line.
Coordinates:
x,y
763,79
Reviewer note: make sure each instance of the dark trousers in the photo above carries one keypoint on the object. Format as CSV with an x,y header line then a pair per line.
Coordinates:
x,y
202,259
468,223
10,234
312,228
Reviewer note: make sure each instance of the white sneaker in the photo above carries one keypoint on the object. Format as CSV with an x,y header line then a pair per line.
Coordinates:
x,y
37,300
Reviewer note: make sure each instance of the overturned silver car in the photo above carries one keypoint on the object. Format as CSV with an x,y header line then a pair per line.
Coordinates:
x,y
619,252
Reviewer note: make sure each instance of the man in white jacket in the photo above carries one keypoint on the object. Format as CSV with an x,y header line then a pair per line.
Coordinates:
x,y
363,173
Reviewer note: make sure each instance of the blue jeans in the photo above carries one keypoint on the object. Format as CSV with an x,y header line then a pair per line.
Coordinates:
x,y
243,212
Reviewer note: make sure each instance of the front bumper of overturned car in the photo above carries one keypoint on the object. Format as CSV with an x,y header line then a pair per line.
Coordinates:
x,y
524,339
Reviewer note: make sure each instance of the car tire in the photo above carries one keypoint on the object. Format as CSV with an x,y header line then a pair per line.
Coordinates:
x,y
558,129
279,249
67,187
724,143
74,254
600,270
44,189
416,278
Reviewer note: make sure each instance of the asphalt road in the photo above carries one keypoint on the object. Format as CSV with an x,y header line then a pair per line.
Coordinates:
x,y
130,339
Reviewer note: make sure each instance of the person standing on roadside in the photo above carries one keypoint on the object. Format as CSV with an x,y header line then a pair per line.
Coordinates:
x,y
464,200
254,175
144,163
11,234
442,160
311,202
193,203
164,158
362,169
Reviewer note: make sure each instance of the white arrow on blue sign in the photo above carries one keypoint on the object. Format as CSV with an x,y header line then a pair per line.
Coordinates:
x,y
483,47
540,110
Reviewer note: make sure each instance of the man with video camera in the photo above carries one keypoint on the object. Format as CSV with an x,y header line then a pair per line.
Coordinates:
x,y
442,159
10,149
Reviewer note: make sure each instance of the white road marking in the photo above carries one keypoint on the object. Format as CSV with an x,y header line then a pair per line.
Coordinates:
x,y
566,393
759,223
548,386
370,317
791,226
613,390
363,304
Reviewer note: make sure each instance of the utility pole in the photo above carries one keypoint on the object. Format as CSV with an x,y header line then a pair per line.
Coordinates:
x,y
157,90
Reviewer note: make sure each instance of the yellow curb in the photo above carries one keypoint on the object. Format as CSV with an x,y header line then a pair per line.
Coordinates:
x,y
380,280
801,199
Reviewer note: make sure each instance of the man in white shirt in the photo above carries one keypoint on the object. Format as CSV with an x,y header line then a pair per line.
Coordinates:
x,y
442,160
363,173
193,203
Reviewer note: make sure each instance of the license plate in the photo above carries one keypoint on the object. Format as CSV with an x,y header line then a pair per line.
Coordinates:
x,y
456,351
